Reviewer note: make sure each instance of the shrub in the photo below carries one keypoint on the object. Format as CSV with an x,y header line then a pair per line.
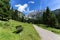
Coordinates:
x,y
18,29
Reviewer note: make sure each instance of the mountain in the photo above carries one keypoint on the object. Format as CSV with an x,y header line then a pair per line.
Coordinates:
x,y
57,11
35,14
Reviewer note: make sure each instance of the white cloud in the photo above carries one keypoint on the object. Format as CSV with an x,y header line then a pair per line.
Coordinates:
x,y
31,2
21,7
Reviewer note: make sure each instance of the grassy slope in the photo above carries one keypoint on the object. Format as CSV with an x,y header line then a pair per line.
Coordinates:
x,y
50,29
7,29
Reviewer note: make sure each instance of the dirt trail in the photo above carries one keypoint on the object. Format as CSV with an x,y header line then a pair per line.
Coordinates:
x,y
45,34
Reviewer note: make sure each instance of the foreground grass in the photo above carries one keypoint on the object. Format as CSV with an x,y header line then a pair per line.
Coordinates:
x,y
50,28
7,29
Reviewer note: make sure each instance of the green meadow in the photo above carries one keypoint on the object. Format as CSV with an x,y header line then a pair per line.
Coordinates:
x,y
7,28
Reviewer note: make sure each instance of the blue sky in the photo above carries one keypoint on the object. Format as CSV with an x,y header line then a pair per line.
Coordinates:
x,y
31,5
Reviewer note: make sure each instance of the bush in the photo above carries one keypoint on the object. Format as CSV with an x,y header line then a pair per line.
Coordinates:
x,y
18,29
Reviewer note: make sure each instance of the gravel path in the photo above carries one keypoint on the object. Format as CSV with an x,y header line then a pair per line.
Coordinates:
x,y
45,34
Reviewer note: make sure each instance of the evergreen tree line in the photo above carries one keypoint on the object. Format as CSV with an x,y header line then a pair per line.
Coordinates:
x,y
7,13
4,10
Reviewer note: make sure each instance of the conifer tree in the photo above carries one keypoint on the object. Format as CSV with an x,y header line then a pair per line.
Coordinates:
x,y
49,18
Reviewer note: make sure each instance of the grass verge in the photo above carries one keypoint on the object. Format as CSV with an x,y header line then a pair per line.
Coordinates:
x,y
57,31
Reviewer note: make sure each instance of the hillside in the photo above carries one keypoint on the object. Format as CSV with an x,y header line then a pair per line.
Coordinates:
x,y
7,29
